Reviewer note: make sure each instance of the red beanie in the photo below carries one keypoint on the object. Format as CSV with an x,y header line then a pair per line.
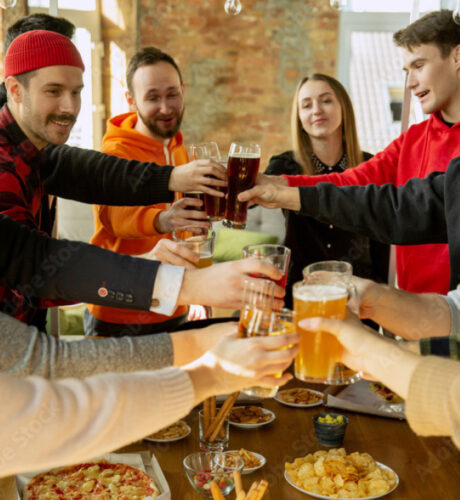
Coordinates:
x,y
39,48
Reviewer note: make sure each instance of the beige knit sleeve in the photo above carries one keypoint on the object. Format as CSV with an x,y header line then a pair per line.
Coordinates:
x,y
433,402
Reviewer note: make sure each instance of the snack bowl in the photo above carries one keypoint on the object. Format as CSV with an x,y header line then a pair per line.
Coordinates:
x,y
270,416
330,434
203,467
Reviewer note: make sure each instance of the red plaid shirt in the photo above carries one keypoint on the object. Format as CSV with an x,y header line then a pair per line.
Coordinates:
x,y
23,199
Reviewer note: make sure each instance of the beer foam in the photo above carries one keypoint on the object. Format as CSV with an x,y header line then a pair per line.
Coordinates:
x,y
319,292
246,156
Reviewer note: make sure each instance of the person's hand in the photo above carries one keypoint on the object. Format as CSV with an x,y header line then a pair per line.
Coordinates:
x,y
234,364
222,285
366,351
189,345
359,341
172,252
179,217
269,192
369,293
198,175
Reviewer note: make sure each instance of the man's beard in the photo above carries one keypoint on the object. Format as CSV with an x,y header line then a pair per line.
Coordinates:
x,y
165,134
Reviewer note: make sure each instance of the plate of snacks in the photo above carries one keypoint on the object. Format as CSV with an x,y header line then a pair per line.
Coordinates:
x,y
250,417
300,397
173,432
252,460
334,474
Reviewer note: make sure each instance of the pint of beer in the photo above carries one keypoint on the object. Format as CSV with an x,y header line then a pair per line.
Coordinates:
x,y
263,323
243,166
318,359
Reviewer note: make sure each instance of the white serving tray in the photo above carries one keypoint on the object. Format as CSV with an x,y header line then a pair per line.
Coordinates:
x,y
140,460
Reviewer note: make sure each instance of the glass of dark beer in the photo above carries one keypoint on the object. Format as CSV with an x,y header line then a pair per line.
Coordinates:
x,y
214,206
243,166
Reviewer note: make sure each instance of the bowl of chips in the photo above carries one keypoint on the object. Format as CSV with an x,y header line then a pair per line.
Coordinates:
x,y
330,428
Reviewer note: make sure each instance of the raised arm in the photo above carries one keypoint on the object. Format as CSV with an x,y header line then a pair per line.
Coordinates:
x,y
410,315
405,215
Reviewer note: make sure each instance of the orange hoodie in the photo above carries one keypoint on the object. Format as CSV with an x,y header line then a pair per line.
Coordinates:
x,y
130,230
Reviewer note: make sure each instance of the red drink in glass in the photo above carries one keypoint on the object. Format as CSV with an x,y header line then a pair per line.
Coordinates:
x,y
215,207
199,196
242,173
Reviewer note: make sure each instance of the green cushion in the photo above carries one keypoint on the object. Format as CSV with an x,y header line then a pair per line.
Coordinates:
x,y
230,242
70,320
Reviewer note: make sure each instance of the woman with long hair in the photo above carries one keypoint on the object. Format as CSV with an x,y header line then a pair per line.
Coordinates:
x,y
324,140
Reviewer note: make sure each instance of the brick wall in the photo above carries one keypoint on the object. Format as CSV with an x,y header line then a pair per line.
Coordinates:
x,y
240,72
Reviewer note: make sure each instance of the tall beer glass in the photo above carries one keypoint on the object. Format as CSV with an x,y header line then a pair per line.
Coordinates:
x,y
263,323
322,293
243,166
214,206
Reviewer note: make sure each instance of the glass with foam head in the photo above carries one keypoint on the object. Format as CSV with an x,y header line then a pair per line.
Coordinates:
x,y
324,292
199,241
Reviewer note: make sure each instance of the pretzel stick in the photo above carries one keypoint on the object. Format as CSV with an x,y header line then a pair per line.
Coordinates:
x,y
206,414
213,429
241,495
215,490
212,406
238,483
252,491
261,489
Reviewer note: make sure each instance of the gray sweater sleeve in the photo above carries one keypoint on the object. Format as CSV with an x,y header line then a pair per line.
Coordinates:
x,y
26,351
453,300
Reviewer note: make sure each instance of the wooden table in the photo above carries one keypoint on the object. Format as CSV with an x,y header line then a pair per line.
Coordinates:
x,y
428,468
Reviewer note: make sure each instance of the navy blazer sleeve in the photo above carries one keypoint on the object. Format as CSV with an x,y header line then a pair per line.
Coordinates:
x,y
62,269
404,215
93,177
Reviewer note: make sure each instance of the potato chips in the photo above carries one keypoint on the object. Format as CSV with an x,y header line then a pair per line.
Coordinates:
x,y
335,474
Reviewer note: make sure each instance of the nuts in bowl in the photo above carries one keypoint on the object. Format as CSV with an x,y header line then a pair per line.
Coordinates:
x,y
250,417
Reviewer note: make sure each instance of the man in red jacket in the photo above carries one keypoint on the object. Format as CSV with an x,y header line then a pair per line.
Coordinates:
x,y
431,54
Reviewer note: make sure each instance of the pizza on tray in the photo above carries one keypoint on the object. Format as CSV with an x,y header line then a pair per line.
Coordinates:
x,y
95,480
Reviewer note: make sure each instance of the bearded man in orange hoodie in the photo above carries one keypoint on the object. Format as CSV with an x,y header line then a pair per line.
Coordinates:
x,y
150,132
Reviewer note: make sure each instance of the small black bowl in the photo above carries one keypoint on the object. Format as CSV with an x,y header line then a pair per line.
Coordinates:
x,y
330,434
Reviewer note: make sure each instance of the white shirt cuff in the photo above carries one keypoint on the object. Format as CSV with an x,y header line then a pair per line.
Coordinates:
x,y
166,289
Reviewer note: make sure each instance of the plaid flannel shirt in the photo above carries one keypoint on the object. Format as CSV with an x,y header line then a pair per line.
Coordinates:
x,y
23,199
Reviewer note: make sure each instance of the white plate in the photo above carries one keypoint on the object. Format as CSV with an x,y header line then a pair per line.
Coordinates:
x,y
315,495
171,440
300,405
255,426
262,459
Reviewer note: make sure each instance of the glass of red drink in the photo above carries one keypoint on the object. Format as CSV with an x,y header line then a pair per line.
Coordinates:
x,y
214,206
278,255
243,166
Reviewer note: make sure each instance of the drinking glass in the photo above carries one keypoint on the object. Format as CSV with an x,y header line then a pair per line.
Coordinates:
x,y
215,206
263,323
278,255
220,443
202,243
324,292
243,166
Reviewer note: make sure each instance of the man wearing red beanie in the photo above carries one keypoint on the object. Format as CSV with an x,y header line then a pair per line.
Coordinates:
x,y
43,78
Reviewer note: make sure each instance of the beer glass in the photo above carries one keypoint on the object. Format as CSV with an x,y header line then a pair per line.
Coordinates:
x,y
322,293
278,255
263,323
214,206
202,243
243,166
